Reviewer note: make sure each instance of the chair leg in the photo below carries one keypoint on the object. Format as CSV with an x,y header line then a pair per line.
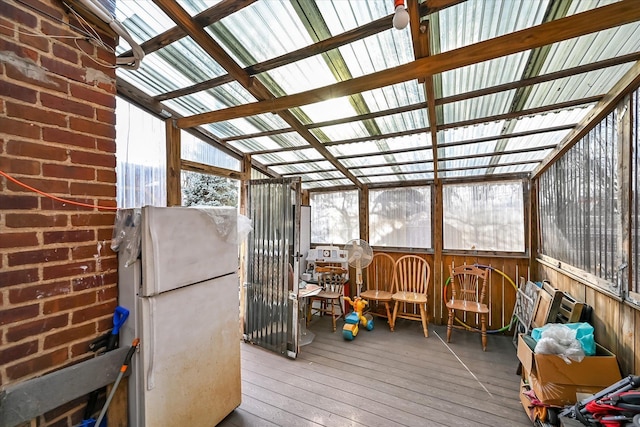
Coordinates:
x,y
393,318
309,305
483,321
333,315
452,314
423,317
386,306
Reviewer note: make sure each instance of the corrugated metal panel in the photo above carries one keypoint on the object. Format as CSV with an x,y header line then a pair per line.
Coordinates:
x,y
274,142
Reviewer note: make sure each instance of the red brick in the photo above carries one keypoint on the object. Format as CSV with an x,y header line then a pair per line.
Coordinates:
x,y
64,52
14,315
36,365
19,50
108,176
85,251
86,189
9,11
55,29
108,294
69,172
93,219
68,335
6,26
67,137
21,93
36,292
92,127
93,95
37,327
24,220
36,114
106,145
94,281
66,105
35,41
106,116
104,233
9,201
72,72
69,302
90,63
17,277
94,312
34,150
19,128
45,8
68,270
19,166
46,185
38,256
16,352
52,204
78,349
17,240
68,236
38,78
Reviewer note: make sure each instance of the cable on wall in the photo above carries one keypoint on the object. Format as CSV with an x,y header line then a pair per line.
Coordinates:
x,y
51,196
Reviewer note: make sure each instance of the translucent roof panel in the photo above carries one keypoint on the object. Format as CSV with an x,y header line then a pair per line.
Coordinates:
x,y
341,16
473,21
247,126
421,140
195,149
289,139
143,20
303,168
288,156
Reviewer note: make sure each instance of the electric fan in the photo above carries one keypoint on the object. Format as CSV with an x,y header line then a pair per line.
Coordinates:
x,y
359,256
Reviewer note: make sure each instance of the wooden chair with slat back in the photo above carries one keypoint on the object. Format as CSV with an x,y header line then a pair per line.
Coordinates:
x,y
411,279
332,281
468,289
379,275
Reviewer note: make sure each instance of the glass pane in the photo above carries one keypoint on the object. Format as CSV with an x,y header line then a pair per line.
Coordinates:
x,y
334,217
400,217
200,189
484,216
141,158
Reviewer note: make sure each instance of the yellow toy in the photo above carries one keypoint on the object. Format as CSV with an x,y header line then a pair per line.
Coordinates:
x,y
350,329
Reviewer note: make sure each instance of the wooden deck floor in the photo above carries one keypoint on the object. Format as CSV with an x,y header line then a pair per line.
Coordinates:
x,y
382,379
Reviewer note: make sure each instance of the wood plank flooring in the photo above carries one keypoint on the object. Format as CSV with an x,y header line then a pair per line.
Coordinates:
x,y
382,379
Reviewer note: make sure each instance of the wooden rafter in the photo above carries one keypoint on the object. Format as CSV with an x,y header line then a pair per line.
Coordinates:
x,y
255,87
572,26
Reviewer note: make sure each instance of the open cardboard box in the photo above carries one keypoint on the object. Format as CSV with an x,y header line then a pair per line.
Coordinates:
x,y
556,382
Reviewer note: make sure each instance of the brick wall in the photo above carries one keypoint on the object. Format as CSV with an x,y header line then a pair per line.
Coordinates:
x,y
57,134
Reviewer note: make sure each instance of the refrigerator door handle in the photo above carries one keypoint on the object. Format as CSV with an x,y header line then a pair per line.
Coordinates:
x,y
152,333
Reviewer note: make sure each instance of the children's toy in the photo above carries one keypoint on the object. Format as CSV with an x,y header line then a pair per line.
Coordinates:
x,y
355,318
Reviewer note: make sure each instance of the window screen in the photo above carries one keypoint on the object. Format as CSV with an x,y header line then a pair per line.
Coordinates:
x,y
484,216
400,217
580,204
334,217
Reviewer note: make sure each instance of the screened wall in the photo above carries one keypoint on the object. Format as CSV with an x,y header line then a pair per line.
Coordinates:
x,y
589,204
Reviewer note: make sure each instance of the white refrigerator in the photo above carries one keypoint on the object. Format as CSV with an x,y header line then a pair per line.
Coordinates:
x,y
183,295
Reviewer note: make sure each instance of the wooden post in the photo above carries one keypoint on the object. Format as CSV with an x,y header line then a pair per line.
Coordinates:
x,y
437,244
174,191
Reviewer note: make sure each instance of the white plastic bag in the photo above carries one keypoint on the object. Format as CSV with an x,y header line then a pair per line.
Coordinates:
x,y
561,340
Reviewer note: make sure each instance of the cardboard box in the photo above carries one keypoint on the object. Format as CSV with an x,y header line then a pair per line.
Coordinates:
x,y
556,382
526,402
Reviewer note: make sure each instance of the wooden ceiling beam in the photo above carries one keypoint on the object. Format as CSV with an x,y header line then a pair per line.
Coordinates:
x,y
255,87
203,19
430,6
594,20
322,46
611,62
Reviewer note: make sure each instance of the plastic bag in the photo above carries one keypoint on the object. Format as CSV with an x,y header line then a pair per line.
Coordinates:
x,y
556,338
584,334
